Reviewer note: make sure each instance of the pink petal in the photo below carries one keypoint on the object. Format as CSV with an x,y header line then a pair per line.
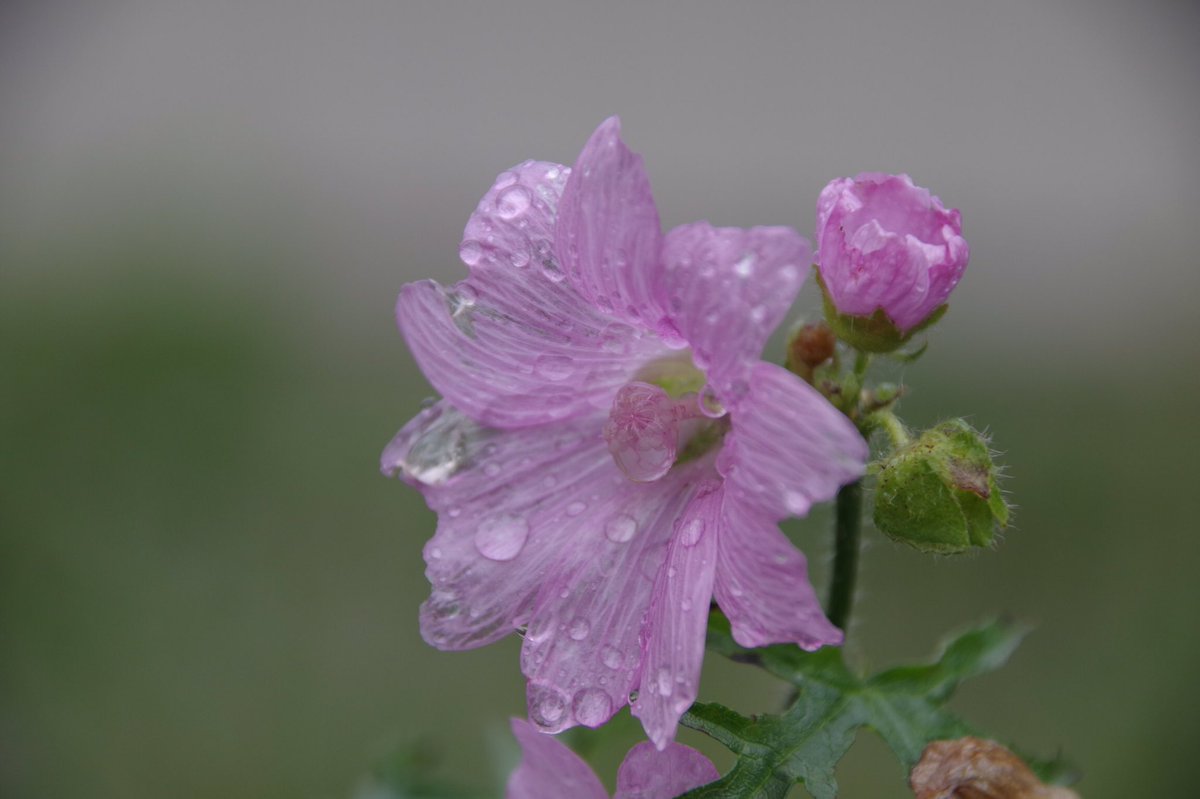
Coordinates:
x,y
762,584
608,231
673,633
788,448
582,650
647,773
515,345
726,289
549,770
501,497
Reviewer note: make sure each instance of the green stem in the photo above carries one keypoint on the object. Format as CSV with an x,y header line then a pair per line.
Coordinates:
x,y
892,425
845,553
861,361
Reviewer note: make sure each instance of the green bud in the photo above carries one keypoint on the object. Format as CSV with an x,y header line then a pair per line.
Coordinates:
x,y
874,333
939,493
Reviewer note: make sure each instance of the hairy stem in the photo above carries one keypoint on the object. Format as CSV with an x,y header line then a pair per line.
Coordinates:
x,y
848,527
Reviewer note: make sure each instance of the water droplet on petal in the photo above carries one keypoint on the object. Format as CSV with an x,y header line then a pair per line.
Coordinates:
x,y
758,313
709,404
505,179
502,537
436,446
492,469
796,503
744,267
546,706
576,508
512,202
540,628
663,682
691,532
579,629
592,707
470,252
620,528
554,367
435,553
519,258
611,656
685,605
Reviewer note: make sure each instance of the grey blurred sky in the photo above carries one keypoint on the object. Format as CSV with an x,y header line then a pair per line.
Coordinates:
x,y
1066,131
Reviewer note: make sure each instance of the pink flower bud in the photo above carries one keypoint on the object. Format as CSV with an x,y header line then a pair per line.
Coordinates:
x,y
884,244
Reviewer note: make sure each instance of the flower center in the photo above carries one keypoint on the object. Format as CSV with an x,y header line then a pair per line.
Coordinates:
x,y
667,416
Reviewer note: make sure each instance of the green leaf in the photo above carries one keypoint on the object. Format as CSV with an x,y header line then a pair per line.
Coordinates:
x,y
804,744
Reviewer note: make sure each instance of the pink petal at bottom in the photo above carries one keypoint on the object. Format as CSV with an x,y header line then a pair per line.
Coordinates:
x,y
647,773
549,770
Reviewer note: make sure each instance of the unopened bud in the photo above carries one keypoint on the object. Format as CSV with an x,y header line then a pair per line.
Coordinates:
x,y
939,493
811,345
889,254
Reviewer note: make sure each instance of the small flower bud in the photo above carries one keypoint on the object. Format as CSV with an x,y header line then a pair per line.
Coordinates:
x,y
811,345
939,493
889,254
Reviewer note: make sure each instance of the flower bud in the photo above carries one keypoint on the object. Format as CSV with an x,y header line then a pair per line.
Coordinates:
x,y
939,493
809,346
888,256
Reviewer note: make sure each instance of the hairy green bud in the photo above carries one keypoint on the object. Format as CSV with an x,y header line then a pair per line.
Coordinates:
x,y
939,493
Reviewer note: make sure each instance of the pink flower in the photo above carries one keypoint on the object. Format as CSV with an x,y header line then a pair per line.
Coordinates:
x,y
884,243
549,770
610,453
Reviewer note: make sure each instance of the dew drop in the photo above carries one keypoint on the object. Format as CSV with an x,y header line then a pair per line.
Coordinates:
x,y
435,553
579,629
685,605
576,508
691,532
512,202
519,258
501,538
505,179
438,449
540,628
663,682
554,367
546,706
470,252
551,271
709,404
758,313
745,267
616,338
492,469
611,656
620,528
796,503
592,707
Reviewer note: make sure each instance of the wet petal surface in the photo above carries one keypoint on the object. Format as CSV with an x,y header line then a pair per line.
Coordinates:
x,y
789,448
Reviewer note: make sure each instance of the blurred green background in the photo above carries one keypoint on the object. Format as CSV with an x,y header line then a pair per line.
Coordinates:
x,y
206,589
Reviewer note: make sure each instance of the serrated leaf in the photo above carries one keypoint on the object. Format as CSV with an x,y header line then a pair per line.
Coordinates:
x,y
804,744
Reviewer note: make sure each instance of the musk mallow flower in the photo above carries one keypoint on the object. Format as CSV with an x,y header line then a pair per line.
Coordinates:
x,y
889,254
550,770
610,453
